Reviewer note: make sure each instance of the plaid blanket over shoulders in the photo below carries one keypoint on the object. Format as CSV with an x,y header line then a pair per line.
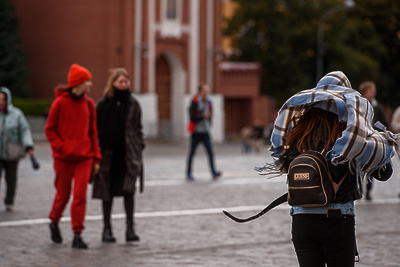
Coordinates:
x,y
364,148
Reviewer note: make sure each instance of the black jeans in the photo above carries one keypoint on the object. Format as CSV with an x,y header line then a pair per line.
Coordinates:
x,y
319,240
196,139
10,169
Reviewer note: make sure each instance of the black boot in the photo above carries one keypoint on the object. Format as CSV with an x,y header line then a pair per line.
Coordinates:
x,y
55,233
108,236
129,204
107,233
78,242
130,233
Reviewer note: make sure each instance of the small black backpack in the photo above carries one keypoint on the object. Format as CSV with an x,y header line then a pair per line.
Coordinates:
x,y
310,184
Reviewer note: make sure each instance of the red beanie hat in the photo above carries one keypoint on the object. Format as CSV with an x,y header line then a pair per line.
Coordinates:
x,y
77,75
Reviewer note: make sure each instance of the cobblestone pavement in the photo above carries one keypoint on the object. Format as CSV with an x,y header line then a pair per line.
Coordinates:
x,y
181,223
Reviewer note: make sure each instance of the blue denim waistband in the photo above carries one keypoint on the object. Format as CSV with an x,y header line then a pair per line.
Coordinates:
x,y
347,209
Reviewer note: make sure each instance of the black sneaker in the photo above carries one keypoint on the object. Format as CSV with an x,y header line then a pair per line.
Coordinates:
x,y
78,242
55,233
189,178
216,175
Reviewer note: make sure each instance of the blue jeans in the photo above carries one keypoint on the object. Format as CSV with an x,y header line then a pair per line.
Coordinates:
x,y
196,139
319,240
347,208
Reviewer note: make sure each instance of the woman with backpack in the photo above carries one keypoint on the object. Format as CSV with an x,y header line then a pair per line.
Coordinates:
x,y
335,120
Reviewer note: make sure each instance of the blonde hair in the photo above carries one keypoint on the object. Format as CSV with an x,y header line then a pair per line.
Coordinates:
x,y
114,74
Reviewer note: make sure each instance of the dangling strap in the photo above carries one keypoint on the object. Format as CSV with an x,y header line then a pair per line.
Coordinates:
x,y
273,204
90,119
357,255
337,185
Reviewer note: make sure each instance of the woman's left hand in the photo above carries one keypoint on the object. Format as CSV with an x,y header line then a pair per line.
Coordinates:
x,y
30,152
95,168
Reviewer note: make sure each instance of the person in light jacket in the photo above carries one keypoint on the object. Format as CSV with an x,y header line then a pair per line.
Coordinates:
x,y
395,123
14,130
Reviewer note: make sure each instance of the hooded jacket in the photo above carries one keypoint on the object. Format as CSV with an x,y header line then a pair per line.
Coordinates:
x,y
71,128
14,127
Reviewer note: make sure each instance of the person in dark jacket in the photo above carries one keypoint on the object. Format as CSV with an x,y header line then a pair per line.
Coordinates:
x,y
200,112
121,142
368,91
335,120
72,133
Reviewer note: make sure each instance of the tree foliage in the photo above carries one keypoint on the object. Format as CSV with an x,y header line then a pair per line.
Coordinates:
x,y
282,35
13,68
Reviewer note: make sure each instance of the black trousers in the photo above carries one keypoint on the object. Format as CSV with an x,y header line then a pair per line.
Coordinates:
x,y
10,168
319,240
129,204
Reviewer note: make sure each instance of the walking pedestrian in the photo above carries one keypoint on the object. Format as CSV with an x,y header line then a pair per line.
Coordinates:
x,y
334,120
246,134
121,142
15,141
368,91
200,112
395,123
72,133
258,136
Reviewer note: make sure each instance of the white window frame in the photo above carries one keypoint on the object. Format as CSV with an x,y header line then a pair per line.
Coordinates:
x,y
171,27
164,12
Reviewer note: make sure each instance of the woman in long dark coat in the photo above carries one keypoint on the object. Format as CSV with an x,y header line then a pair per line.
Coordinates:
x,y
121,142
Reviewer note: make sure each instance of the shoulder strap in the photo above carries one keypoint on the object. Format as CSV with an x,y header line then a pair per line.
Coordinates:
x,y
273,204
90,116
337,185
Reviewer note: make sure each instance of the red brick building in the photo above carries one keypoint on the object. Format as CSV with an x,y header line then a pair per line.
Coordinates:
x,y
168,47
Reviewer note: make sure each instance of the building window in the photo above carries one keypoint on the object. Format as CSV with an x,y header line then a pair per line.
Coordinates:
x,y
171,24
171,10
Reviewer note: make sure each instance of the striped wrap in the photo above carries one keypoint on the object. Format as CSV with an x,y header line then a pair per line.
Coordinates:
x,y
364,148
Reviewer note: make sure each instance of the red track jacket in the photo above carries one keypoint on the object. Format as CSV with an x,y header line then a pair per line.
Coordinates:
x,y
71,128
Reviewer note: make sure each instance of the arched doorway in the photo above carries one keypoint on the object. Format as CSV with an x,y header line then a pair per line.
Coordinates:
x,y
170,84
163,90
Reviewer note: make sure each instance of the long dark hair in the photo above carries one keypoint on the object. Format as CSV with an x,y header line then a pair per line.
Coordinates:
x,y
315,126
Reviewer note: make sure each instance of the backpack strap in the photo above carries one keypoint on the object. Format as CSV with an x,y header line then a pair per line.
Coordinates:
x,y
273,204
337,185
90,116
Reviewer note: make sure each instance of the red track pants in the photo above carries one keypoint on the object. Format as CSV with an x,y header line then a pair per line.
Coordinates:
x,y
66,171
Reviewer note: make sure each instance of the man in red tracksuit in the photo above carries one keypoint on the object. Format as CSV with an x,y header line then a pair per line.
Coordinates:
x,y
72,133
